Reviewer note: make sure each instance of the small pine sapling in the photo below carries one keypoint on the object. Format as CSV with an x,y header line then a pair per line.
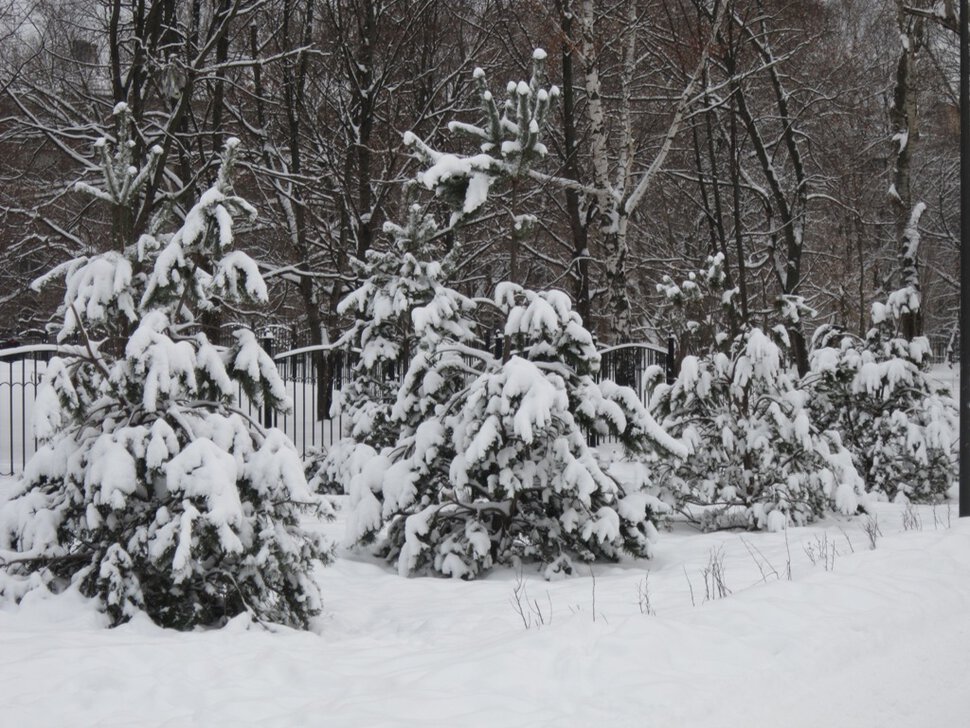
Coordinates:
x,y
899,424
403,282
758,461
402,289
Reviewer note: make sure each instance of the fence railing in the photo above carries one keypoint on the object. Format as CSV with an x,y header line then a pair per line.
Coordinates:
x,y
311,376
627,364
21,371
944,349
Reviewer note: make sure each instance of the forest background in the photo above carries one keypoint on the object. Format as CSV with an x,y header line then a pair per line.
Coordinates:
x,y
794,138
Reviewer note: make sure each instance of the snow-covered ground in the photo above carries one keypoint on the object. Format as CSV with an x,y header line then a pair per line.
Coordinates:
x,y
877,638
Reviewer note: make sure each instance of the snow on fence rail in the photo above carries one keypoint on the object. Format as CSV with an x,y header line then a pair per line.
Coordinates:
x,y
311,376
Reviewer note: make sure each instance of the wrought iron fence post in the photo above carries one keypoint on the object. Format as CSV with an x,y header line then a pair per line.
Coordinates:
x,y
670,366
269,413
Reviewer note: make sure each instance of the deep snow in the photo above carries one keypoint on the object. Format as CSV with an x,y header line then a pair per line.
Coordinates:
x,y
880,639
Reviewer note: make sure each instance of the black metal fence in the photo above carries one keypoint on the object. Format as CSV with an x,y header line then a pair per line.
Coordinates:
x,y
627,364
944,349
21,371
311,377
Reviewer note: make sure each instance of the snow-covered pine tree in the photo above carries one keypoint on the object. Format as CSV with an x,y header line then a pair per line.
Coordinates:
x,y
396,283
897,421
758,461
493,461
413,268
490,460
151,490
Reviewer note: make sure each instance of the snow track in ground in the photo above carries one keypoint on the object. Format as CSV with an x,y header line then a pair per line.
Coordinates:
x,y
882,639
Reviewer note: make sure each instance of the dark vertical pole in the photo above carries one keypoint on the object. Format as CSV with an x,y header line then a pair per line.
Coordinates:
x,y
964,259
269,414
23,412
10,426
671,367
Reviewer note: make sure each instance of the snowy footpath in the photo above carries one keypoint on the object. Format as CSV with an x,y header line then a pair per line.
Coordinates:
x,y
856,637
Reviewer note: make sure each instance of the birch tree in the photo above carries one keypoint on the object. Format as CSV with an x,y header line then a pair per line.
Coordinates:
x,y
620,174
